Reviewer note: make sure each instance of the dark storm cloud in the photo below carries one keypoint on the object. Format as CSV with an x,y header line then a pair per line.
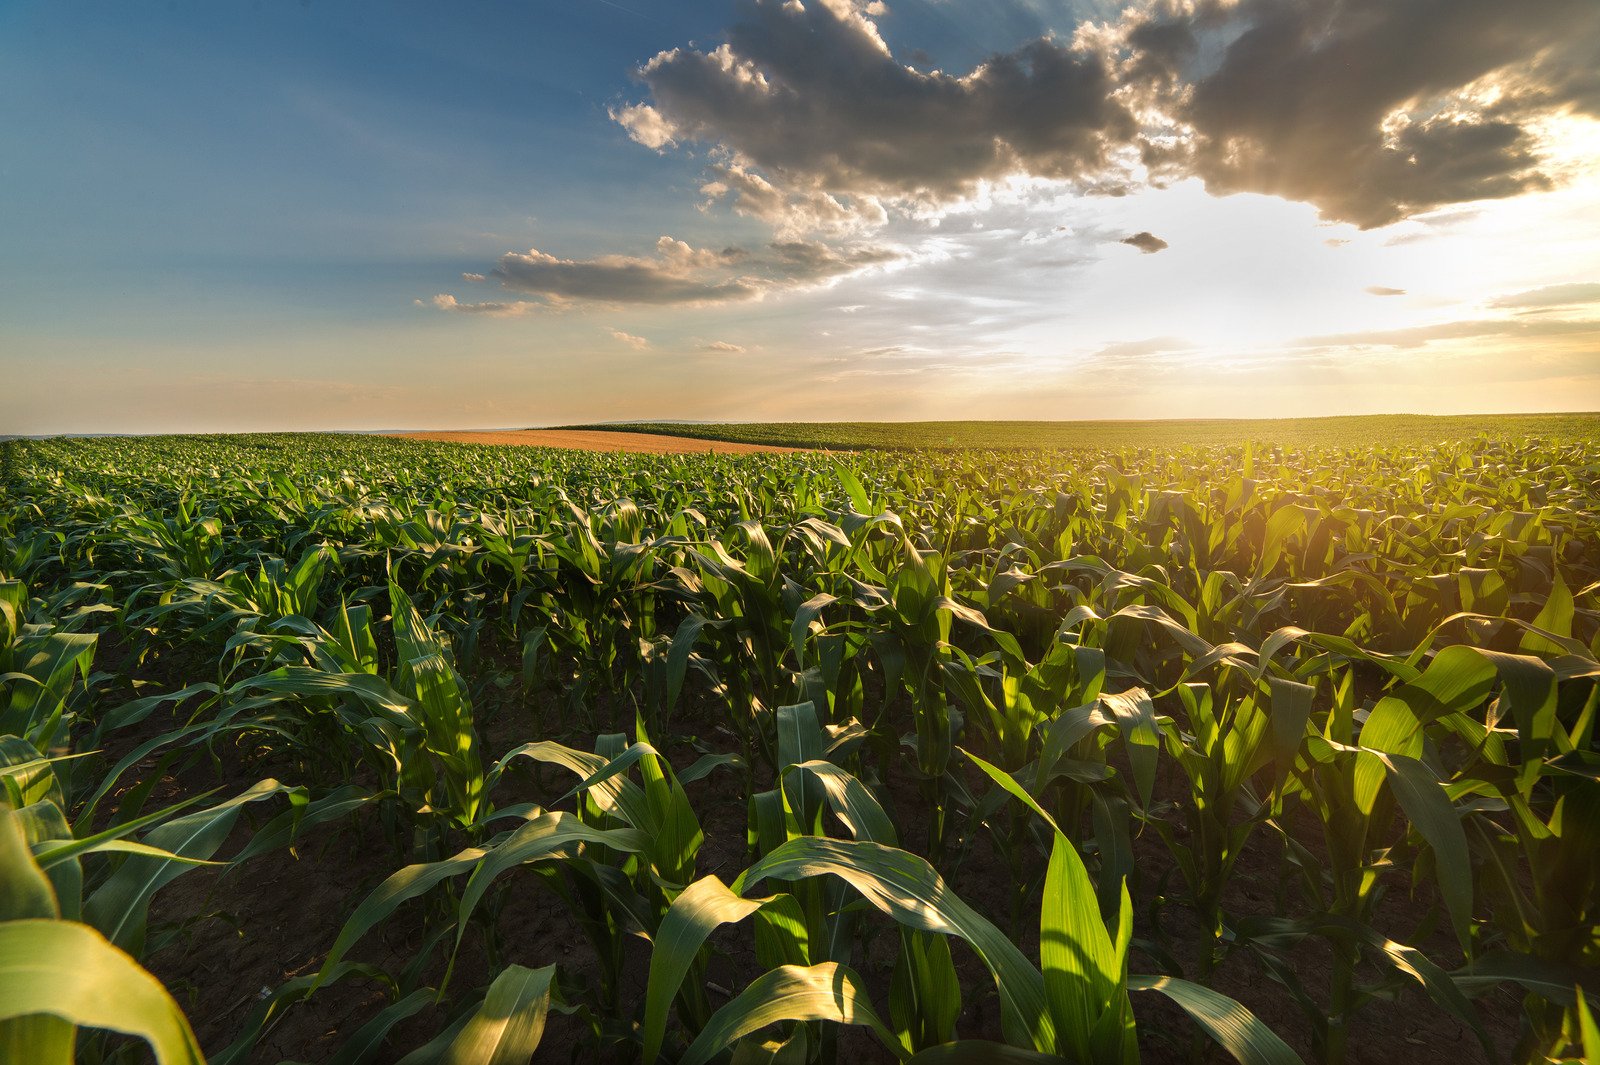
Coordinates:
x,y
1371,109
810,94
1146,242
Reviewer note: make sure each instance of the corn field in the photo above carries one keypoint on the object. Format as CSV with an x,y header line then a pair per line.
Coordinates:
x,y
351,749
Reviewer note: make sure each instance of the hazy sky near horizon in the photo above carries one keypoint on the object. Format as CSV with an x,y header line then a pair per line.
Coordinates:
x,y
221,216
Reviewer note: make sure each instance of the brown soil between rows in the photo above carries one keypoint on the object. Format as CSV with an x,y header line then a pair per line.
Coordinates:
x,y
598,440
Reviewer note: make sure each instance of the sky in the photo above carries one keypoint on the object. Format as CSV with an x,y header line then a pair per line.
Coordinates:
x,y
359,215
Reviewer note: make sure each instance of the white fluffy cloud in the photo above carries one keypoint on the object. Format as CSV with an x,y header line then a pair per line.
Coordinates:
x,y
635,342
489,309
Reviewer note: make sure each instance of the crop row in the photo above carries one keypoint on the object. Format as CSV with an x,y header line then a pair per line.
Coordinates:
x,y
1180,719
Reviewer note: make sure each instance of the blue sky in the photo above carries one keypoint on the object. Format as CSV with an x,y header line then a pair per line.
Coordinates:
x,y
230,216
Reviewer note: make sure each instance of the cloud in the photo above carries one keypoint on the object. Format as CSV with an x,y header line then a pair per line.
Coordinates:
x,y
1384,290
1373,110
790,212
1552,296
1133,349
473,277
677,274
1146,242
1418,336
446,302
646,125
723,346
810,95
809,260
636,343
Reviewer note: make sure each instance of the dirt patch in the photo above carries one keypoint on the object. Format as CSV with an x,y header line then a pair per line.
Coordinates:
x,y
600,440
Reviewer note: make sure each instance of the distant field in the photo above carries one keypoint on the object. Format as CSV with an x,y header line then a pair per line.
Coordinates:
x,y
600,440
1366,430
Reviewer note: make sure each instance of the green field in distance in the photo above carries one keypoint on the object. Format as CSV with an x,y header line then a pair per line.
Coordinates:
x,y
1353,431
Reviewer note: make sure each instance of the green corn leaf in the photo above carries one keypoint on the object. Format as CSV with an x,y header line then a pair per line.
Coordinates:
x,y
507,1028
51,854
794,1050
1083,968
364,1044
614,793
703,906
1588,1031
399,887
1543,977
822,992
982,1052
25,891
854,489
121,906
906,888
1075,952
924,991
1236,1029
1554,617
1135,715
674,837
533,841
850,801
70,971
1427,806
707,764
288,826
1291,710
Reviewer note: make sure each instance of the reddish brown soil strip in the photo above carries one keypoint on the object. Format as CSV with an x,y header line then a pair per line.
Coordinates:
x,y
599,440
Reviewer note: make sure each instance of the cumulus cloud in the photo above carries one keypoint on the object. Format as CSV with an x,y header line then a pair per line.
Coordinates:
x,y
677,273
636,343
446,302
1146,242
1373,110
646,125
1552,296
810,95
1384,290
724,347
809,260
791,212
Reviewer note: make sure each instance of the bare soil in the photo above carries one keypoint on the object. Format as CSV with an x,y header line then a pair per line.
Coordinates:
x,y
599,440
